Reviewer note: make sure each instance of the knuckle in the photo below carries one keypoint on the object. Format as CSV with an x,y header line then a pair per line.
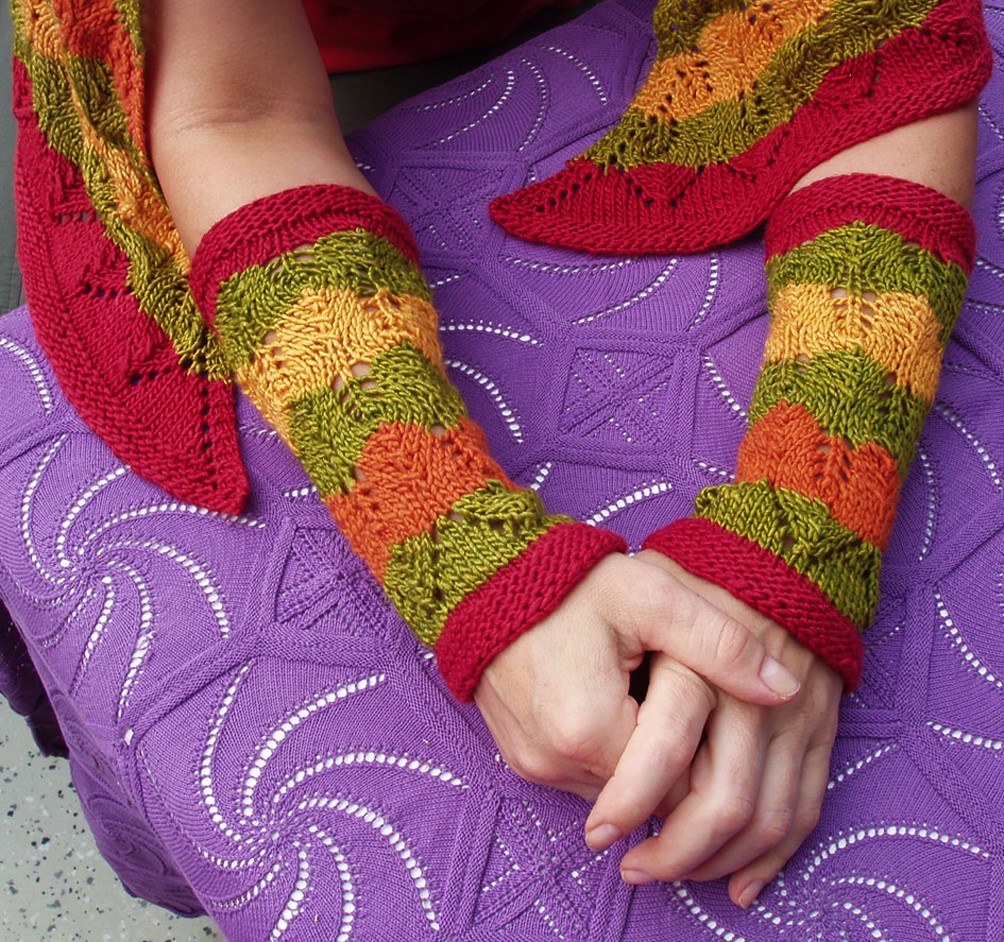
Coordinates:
x,y
736,814
573,742
734,645
805,820
773,827
535,767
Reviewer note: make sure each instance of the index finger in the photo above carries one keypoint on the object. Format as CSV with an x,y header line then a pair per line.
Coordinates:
x,y
659,751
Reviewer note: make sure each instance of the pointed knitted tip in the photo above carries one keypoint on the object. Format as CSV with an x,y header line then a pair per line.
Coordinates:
x,y
116,366
602,210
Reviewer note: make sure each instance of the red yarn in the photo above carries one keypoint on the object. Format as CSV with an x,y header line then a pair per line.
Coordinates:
x,y
115,365
268,227
917,213
764,581
517,597
662,207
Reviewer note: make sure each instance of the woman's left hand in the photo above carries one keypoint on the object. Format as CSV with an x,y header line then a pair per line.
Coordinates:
x,y
757,783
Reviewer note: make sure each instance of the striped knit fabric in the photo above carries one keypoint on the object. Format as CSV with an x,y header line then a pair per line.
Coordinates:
x,y
327,322
866,276
743,98
104,268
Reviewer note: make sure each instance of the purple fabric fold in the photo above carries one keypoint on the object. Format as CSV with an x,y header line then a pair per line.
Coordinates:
x,y
256,735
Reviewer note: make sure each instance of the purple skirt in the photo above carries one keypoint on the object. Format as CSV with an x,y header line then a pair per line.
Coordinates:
x,y
255,734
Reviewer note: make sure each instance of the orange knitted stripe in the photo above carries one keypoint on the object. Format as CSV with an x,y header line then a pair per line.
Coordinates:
x,y
860,486
97,30
323,335
897,329
729,56
408,477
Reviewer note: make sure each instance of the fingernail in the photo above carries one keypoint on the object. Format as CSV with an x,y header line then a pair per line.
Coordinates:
x,y
602,836
776,676
751,892
636,877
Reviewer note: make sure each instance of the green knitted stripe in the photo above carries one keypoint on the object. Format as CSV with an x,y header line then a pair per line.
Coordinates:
x,y
860,257
255,300
328,430
801,532
723,130
131,18
848,395
427,577
161,290
678,24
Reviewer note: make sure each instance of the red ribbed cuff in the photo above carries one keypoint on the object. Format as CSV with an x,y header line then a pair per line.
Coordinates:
x,y
266,228
917,213
514,599
767,583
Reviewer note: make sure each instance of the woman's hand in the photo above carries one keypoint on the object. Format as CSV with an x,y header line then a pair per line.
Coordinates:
x,y
758,781
557,700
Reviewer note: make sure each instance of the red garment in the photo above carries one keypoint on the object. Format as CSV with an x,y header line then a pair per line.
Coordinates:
x,y
351,40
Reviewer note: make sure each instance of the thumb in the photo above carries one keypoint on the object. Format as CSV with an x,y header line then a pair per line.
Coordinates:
x,y
659,613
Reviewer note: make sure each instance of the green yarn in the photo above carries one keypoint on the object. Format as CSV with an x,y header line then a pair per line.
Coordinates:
x,y
729,128
860,257
802,533
255,300
848,394
428,577
328,430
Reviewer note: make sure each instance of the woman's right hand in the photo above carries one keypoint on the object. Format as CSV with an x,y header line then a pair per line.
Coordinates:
x,y
557,700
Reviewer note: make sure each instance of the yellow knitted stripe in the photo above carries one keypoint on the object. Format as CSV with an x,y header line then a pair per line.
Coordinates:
x,y
897,329
726,59
324,335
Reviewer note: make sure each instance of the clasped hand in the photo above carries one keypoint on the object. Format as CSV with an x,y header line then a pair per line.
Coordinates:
x,y
730,745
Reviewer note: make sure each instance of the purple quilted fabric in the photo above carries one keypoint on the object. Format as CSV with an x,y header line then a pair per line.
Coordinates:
x,y
255,734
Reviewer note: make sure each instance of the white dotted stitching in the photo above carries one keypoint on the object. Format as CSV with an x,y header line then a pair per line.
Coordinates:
x,y
541,108
358,758
279,734
988,463
644,492
859,765
486,327
194,568
379,823
434,106
542,472
911,899
955,637
711,469
78,506
970,739
292,906
510,84
695,910
37,374
298,493
582,67
144,640
26,510
238,902
548,268
843,840
508,413
721,387
96,634
932,504
649,289
709,294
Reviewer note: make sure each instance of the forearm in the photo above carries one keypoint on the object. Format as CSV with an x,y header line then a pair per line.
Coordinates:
x,y
238,107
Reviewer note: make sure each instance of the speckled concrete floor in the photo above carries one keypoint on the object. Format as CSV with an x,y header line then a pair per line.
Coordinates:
x,y
54,885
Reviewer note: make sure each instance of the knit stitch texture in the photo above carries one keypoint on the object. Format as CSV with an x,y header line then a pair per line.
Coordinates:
x,y
866,276
328,325
742,100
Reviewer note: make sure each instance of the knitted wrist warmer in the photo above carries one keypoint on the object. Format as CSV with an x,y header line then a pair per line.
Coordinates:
x,y
744,97
328,324
866,276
